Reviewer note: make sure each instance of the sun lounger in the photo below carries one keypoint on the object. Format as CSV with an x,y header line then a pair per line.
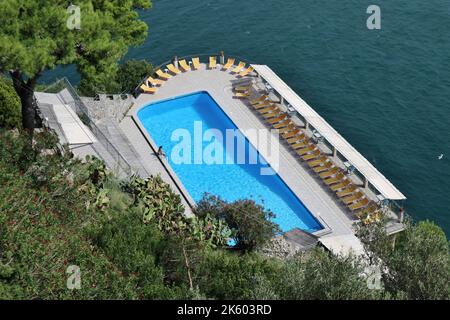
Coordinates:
x,y
335,179
298,138
262,105
259,100
341,185
355,196
196,63
286,129
346,192
376,217
212,62
300,144
329,173
366,212
359,205
242,94
147,89
324,167
312,155
155,82
282,124
184,65
238,67
277,119
173,69
290,134
242,88
228,65
163,75
272,114
308,148
268,109
246,72
314,163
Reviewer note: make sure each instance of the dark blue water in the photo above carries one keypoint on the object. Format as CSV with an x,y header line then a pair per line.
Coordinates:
x,y
386,91
218,170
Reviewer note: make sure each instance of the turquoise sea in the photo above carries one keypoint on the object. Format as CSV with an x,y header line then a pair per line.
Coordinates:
x,y
386,91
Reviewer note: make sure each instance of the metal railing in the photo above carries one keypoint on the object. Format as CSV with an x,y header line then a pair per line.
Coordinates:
x,y
80,108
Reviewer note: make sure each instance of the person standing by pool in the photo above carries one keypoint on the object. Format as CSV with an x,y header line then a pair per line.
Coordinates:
x,y
161,152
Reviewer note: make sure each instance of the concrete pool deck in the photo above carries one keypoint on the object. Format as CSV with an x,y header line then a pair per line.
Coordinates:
x,y
322,204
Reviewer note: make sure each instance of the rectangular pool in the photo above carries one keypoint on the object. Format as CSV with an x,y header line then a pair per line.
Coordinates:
x,y
229,181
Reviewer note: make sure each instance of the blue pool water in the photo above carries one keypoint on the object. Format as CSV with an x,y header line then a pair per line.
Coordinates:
x,y
229,179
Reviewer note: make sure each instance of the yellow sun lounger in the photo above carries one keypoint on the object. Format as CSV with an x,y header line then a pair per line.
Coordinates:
x,y
239,67
246,72
300,144
242,88
268,109
321,161
271,115
262,105
324,167
147,89
283,124
155,82
359,205
287,129
277,119
297,139
196,63
212,62
308,148
259,100
329,173
366,212
341,185
335,179
242,94
228,65
173,69
184,65
311,156
356,196
371,218
290,134
346,192
163,75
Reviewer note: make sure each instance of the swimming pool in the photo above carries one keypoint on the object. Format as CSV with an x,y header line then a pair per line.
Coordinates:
x,y
231,180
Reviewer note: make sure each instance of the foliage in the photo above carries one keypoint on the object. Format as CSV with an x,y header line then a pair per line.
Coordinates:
x,y
42,227
134,247
226,275
251,224
10,116
34,38
131,73
56,211
162,205
321,275
417,265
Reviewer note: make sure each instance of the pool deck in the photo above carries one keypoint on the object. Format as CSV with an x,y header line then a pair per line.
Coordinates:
x,y
307,187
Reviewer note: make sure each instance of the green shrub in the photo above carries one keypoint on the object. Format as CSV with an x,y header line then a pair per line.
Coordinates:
x,y
222,274
321,275
10,106
251,224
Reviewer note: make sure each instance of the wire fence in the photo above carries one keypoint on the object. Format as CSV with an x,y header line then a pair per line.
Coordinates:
x,y
80,108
